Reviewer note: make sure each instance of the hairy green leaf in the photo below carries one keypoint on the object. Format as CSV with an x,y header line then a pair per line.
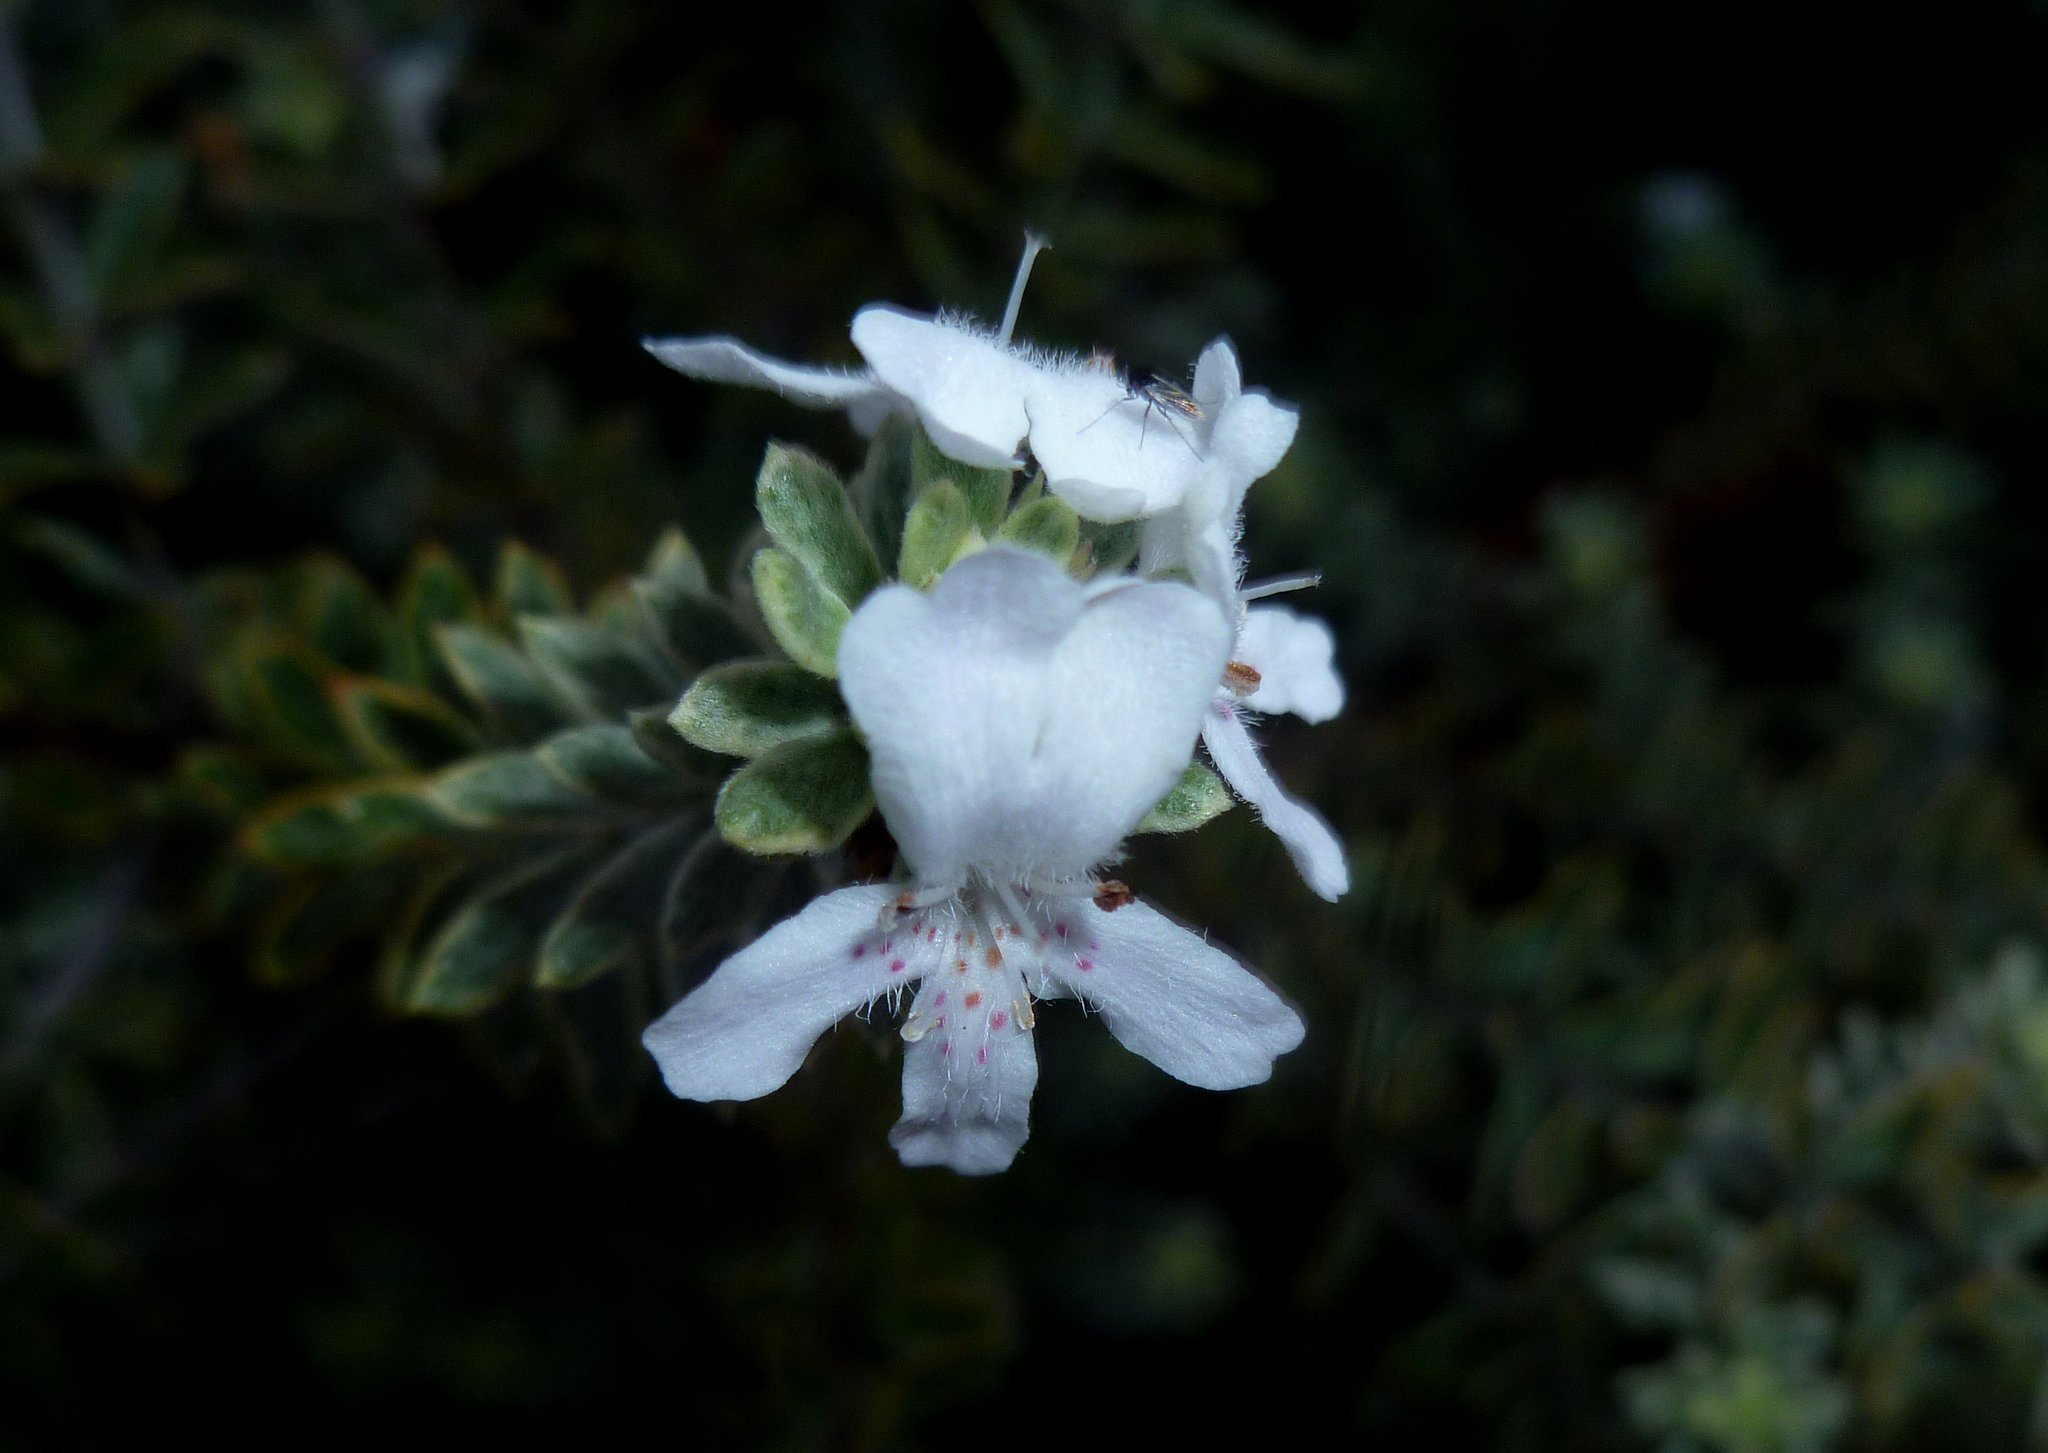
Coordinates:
x,y
747,707
809,515
883,488
714,888
986,491
1199,796
802,797
1048,526
939,530
805,618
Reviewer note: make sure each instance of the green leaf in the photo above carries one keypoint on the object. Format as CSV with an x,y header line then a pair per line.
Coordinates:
x,y
305,927
804,618
508,789
341,826
746,708
400,728
133,221
283,685
1111,547
987,491
529,583
1048,526
437,591
714,889
1199,796
658,737
500,680
674,562
489,943
883,489
694,628
615,910
593,673
338,612
939,530
802,797
607,762
809,515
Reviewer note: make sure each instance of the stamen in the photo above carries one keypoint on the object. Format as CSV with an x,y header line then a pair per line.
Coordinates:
x,y
1241,677
1281,585
1112,894
1033,245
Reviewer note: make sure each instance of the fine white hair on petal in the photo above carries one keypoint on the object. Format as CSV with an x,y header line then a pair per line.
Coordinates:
x,y
1317,854
745,1030
968,390
1294,656
1168,994
1111,452
727,360
967,1093
1018,723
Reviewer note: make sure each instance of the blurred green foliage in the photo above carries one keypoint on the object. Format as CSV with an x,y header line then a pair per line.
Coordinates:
x,y
1673,391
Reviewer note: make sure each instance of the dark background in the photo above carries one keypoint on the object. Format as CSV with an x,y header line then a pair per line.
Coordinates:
x,y
1675,398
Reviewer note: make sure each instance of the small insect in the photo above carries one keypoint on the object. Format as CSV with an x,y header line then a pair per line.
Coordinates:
x,y
1167,397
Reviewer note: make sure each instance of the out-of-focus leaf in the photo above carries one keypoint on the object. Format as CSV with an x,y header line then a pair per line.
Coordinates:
x,y
616,909
883,488
594,674
509,789
488,945
340,826
338,613
528,583
805,619
284,687
437,592
802,797
400,728
1111,547
500,680
606,761
745,708
709,893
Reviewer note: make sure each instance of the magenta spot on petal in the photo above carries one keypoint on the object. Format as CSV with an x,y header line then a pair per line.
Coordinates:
x,y
939,999
859,949
998,1019
1093,945
1084,963
946,1046
981,1055
1062,930
896,967
940,1022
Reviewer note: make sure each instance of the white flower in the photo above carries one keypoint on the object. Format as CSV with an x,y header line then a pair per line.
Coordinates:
x,y
1281,661
1019,725
1112,451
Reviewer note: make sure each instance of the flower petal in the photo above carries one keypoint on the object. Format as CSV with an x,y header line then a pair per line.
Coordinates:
x,y
1293,655
1252,433
727,360
745,1030
1111,453
967,1098
968,390
1017,723
1171,996
1317,854
1217,377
